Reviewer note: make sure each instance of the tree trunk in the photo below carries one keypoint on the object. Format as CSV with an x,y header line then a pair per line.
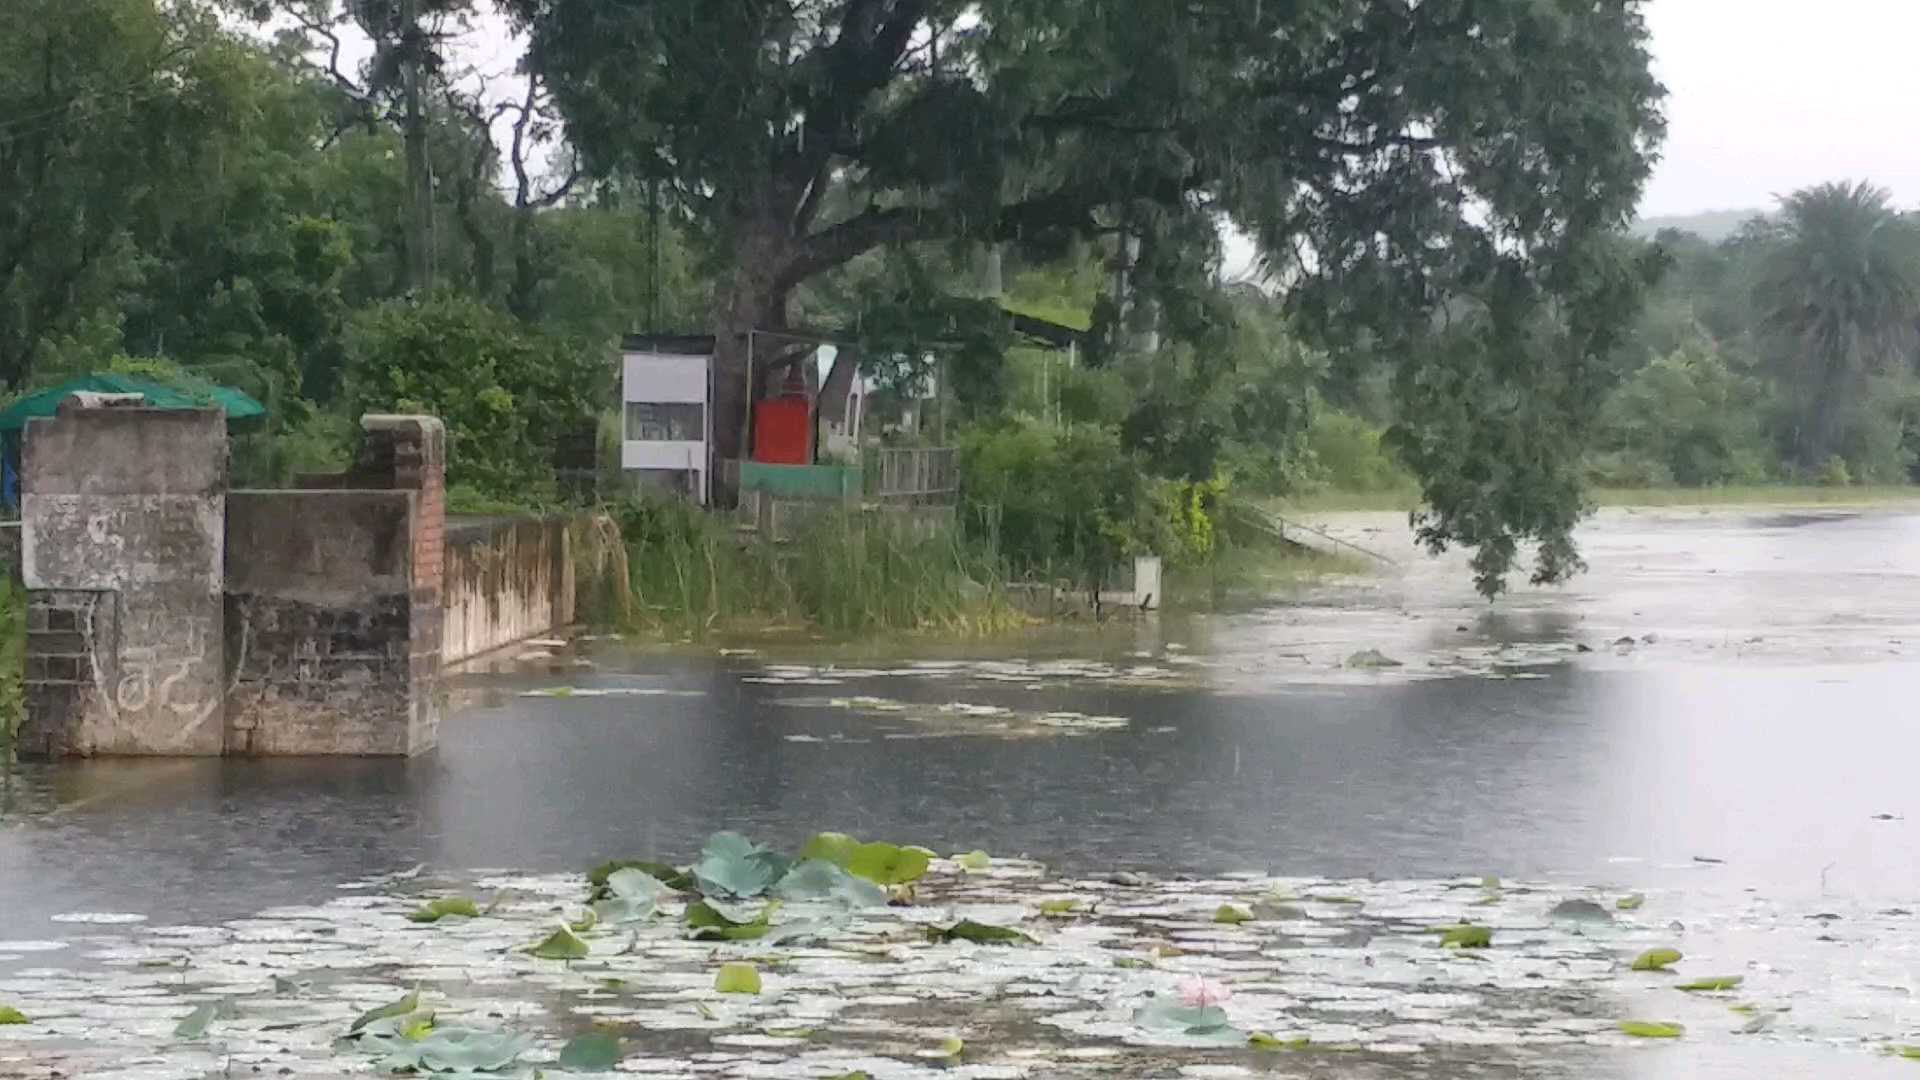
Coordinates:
x,y
746,306
420,241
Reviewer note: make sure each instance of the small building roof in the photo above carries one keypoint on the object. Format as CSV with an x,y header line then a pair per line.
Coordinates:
x,y
239,407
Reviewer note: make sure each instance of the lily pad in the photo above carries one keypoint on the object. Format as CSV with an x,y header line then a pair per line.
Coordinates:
x,y
1651,1029
1274,909
1467,937
1232,915
11,1015
820,879
1713,983
670,877
974,860
737,979
562,944
1911,1053
888,864
1580,911
197,1022
731,866
1260,1040
978,933
1059,908
833,847
1372,660
596,1051
405,1006
632,896
1206,1021
435,910
1657,959
710,923
1630,903
456,1050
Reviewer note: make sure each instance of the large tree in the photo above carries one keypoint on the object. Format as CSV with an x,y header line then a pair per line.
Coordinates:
x,y
1840,284
1398,161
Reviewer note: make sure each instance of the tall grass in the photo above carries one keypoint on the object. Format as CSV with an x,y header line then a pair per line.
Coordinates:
x,y
841,572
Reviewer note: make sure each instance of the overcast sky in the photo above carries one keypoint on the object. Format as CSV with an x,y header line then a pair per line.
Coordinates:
x,y
1771,95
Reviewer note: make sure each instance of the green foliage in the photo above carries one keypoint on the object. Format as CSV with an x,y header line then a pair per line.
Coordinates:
x,y
1651,1029
843,571
978,933
498,388
1840,286
737,979
1056,501
1657,959
592,1052
1347,454
1684,419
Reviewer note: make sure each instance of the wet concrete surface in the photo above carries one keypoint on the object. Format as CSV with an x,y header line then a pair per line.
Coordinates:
x,y
1756,739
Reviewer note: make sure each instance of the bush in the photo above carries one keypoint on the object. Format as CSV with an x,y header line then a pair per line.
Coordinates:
x,y
1688,419
506,395
1347,455
1058,501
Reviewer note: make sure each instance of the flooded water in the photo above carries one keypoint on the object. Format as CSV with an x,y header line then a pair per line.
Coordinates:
x,y
1722,716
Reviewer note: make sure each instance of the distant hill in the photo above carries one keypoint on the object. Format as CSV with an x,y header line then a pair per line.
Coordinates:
x,y
1712,226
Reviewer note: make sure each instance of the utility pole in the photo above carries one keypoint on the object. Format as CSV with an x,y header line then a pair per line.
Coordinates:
x,y
420,239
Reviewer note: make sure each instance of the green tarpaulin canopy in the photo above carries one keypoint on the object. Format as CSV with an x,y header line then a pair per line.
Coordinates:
x,y
239,407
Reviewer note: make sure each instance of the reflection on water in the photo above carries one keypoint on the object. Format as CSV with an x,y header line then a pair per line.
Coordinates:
x,y
1779,773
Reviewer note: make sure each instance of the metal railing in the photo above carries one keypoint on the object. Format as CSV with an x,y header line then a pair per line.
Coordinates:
x,y
930,474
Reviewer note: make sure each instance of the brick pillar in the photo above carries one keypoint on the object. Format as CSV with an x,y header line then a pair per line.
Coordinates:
x,y
412,450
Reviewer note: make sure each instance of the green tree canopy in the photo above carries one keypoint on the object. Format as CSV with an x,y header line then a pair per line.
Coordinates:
x,y
1840,285
1395,160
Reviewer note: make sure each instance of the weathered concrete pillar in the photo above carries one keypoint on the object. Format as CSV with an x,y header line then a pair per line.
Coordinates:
x,y
334,604
123,527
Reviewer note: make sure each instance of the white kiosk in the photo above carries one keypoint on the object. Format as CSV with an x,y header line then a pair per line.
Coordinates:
x,y
666,416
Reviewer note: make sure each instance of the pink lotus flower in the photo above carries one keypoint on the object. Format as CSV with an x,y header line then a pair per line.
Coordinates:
x,y
1198,993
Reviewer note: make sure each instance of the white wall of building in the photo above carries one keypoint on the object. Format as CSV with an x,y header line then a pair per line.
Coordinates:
x,y
667,378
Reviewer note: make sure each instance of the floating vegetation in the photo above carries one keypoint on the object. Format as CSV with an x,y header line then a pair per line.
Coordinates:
x,y
1004,970
1657,959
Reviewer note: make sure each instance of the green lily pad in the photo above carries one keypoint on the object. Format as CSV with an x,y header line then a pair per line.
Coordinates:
x,y
199,1020
888,864
633,895
709,923
455,1050
1467,937
11,1015
820,879
737,979
1232,915
1657,959
1059,908
731,866
1651,1029
974,860
562,944
1911,1053
595,1051
406,1006
1713,983
435,910
1630,903
1204,1021
670,877
1260,1040
833,847
978,933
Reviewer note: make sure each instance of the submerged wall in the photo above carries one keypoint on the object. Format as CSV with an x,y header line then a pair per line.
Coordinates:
x,y
168,616
122,548
506,581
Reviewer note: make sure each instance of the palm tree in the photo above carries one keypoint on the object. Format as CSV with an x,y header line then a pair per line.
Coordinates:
x,y
1841,289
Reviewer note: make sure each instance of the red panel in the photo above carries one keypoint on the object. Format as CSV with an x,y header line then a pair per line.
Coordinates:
x,y
783,432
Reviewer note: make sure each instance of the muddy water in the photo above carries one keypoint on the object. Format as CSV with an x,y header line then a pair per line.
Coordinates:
x,y
1721,715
